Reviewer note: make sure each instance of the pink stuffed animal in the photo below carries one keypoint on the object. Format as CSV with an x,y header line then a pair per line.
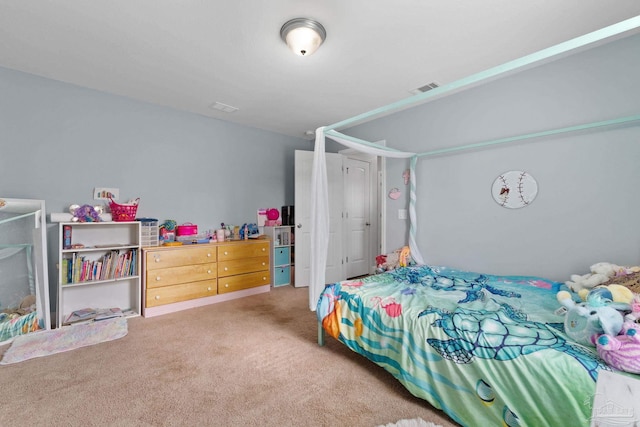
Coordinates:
x,y
623,351
634,316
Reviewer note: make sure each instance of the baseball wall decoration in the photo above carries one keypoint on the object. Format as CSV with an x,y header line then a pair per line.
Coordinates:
x,y
514,189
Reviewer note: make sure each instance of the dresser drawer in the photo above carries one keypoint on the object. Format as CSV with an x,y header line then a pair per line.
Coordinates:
x,y
249,250
182,292
182,256
242,281
240,266
175,275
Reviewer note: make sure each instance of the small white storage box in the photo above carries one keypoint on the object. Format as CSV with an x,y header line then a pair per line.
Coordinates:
x,y
149,232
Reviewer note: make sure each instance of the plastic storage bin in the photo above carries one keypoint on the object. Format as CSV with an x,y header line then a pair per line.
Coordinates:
x,y
148,232
281,256
282,276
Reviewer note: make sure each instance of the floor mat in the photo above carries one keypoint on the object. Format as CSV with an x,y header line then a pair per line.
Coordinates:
x,y
45,343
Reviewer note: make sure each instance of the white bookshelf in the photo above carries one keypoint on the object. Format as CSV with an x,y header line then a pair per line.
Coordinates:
x,y
96,285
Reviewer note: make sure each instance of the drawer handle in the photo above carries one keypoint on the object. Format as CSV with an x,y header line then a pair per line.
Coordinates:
x,y
226,269
208,255
157,297
158,278
209,288
263,249
226,253
157,259
226,285
208,271
264,263
264,278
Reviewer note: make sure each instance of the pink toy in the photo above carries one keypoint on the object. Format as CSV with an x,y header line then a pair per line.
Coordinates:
x,y
273,214
621,352
634,316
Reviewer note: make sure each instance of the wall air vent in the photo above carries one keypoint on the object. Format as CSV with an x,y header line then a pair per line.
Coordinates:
x,y
424,88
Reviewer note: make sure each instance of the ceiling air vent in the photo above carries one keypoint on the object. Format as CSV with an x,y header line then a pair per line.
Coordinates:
x,y
425,88
223,107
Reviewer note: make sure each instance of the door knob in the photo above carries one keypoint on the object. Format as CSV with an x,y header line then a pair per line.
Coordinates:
x,y
299,225
367,224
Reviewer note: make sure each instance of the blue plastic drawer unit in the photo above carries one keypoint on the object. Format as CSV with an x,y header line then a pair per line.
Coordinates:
x,y
281,256
282,276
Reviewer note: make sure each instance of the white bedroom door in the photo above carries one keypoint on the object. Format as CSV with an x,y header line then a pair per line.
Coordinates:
x,y
357,185
303,166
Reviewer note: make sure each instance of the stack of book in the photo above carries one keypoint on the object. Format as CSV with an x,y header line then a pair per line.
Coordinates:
x,y
86,315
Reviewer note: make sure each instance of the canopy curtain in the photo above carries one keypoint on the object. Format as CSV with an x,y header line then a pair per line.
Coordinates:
x,y
320,204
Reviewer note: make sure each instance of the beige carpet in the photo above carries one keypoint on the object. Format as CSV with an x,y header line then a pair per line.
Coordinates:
x,y
248,362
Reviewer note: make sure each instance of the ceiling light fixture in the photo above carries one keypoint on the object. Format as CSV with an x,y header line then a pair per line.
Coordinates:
x,y
303,36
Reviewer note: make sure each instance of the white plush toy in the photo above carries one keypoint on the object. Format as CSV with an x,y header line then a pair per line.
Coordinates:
x,y
608,269
601,272
586,281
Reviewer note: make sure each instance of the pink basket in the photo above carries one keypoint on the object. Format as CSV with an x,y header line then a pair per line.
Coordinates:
x,y
121,213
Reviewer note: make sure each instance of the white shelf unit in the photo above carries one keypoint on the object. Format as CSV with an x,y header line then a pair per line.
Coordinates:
x,y
281,242
112,288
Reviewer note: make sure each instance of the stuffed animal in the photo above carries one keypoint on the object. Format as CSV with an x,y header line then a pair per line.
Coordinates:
x,y
596,316
86,213
398,258
614,292
249,230
392,261
601,272
608,269
27,305
634,316
585,281
405,256
621,352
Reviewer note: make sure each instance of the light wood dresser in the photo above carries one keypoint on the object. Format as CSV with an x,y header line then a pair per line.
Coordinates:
x,y
182,277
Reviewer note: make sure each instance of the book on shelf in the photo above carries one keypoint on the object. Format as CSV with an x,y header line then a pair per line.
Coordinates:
x,y
114,264
86,315
66,237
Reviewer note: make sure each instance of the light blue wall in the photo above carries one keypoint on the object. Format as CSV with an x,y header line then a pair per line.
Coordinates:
x,y
59,141
587,207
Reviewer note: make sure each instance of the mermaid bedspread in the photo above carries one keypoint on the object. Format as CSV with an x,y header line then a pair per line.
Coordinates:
x,y
487,350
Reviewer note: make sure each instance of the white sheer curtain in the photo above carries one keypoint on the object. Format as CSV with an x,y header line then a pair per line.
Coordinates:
x,y
320,204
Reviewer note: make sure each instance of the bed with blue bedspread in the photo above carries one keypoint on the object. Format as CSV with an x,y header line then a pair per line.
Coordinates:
x,y
487,350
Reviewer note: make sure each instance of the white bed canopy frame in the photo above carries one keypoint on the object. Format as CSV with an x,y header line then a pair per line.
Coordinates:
x,y
35,246
319,186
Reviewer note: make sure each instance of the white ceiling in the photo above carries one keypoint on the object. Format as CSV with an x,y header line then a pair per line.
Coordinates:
x,y
190,54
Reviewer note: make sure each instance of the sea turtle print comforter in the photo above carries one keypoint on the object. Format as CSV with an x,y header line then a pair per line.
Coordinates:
x,y
487,350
